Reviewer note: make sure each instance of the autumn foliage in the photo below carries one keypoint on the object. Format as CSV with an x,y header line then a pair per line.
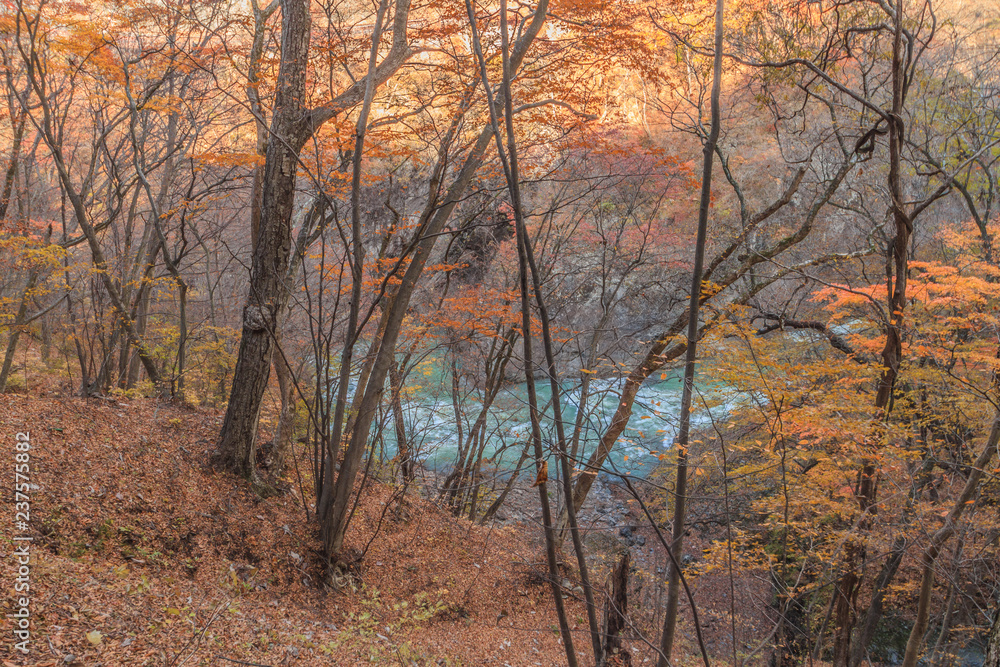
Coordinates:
x,y
382,305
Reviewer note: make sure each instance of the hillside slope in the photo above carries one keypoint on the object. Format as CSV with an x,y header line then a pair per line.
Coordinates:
x,y
143,555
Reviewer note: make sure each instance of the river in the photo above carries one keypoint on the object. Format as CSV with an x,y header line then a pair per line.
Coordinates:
x,y
433,432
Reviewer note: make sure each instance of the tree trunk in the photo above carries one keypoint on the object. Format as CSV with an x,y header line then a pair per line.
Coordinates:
x,y
292,124
134,365
102,383
863,635
15,153
182,335
46,326
260,17
268,293
993,643
402,444
896,272
940,537
15,331
526,257
949,607
680,486
281,441
615,612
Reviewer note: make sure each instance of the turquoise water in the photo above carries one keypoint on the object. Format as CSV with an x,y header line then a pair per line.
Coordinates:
x,y
432,428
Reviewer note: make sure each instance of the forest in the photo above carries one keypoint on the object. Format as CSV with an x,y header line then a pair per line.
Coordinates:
x,y
500,332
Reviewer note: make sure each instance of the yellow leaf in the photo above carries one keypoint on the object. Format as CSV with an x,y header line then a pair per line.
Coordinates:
x,y
95,637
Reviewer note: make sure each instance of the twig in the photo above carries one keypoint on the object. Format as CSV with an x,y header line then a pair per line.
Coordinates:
x,y
197,637
240,662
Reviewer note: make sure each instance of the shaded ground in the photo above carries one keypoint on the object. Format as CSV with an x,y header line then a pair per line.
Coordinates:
x,y
612,522
143,556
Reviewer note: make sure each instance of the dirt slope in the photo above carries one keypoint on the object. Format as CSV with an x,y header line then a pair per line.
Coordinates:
x,y
142,555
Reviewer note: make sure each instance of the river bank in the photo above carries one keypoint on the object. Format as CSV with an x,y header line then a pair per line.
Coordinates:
x,y
612,522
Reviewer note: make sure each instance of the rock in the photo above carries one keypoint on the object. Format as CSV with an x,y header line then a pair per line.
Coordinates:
x,y
626,531
639,540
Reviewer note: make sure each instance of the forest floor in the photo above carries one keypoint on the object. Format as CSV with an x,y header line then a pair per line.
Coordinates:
x,y
142,554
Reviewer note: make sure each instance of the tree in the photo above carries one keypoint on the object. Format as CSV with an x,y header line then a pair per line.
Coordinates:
x,y
334,503
993,643
292,125
683,432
